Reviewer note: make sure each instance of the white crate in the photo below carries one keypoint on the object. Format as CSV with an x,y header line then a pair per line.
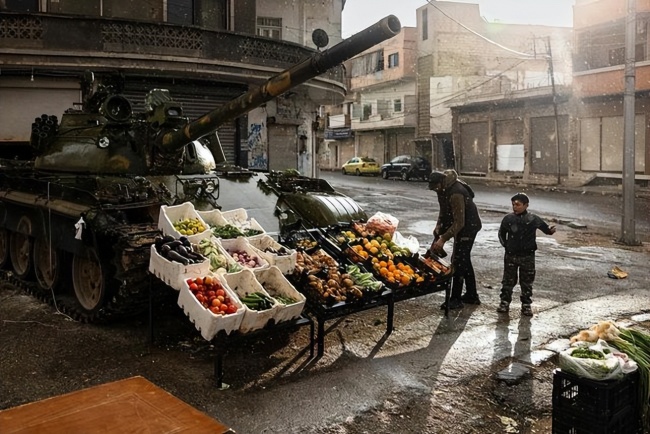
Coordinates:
x,y
275,283
244,283
242,244
232,266
237,217
171,214
174,273
286,263
206,322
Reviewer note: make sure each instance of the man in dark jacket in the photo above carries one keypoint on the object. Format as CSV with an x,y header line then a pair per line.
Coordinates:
x,y
458,219
517,234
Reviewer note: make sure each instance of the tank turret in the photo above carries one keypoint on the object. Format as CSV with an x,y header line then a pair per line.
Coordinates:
x,y
77,225
106,137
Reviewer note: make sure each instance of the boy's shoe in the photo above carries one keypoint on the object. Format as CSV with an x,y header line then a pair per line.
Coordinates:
x,y
453,305
526,310
503,307
470,299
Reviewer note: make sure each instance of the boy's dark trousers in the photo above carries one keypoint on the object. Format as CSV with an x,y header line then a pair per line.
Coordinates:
x,y
463,269
525,266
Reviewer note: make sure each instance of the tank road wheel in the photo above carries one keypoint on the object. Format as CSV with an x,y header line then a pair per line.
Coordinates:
x,y
47,265
88,281
5,259
20,249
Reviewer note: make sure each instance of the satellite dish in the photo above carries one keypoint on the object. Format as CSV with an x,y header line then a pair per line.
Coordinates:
x,y
319,38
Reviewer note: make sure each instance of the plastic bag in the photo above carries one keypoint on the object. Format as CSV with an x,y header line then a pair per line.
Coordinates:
x,y
409,242
613,365
382,223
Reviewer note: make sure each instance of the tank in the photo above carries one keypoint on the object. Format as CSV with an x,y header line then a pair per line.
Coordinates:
x,y
77,221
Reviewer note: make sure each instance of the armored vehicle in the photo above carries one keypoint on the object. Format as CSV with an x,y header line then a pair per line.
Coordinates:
x,y
77,222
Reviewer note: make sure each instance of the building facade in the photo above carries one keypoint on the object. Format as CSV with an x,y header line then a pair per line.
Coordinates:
x,y
598,85
206,52
462,59
378,118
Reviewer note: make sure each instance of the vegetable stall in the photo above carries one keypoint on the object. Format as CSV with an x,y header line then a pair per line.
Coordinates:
x,y
233,279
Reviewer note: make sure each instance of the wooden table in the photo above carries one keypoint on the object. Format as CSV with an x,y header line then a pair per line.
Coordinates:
x,y
133,405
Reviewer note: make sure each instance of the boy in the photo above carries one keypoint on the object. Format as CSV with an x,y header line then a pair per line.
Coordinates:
x,y
517,234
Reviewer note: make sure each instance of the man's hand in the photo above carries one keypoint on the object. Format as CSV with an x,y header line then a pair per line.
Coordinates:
x,y
551,229
438,245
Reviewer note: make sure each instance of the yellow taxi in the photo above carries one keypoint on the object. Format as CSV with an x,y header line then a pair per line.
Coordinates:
x,y
361,166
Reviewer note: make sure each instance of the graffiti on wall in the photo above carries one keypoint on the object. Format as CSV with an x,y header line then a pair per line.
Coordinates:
x,y
257,152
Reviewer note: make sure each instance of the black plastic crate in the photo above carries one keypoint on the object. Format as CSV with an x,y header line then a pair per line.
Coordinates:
x,y
594,400
571,421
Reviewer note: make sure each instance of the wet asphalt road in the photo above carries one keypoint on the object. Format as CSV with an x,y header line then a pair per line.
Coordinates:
x,y
599,207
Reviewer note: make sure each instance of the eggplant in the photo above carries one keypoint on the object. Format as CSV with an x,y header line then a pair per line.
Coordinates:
x,y
174,244
168,239
186,242
164,249
175,256
183,251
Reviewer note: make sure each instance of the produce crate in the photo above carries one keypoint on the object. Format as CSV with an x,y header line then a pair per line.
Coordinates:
x,y
286,263
206,322
625,421
244,283
174,273
170,214
275,283
590,406
242,244
237,217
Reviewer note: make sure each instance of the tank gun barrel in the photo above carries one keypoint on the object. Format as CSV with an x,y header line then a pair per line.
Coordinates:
x,y
311,67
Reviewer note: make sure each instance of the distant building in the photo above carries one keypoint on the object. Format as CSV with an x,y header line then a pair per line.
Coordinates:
x,y
598,83
478,68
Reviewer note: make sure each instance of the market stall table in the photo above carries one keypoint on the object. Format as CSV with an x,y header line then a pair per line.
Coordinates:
x,y
130,405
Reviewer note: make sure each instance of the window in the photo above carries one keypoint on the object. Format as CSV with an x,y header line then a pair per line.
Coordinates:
x,y
393,60
367,111
425,25
397,105
367,64
180,12
21,5
269,27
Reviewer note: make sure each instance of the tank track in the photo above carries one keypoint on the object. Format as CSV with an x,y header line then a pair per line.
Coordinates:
x,y
129,298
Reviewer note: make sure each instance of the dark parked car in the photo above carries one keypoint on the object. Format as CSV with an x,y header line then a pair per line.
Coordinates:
x,y
406,167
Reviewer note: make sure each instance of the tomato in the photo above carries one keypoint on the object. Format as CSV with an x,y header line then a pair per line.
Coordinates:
x,y
190,281
223,307
215,310
211,294
231,309
215,302
221,298
207,280
194,287
221,292
198,281
200,298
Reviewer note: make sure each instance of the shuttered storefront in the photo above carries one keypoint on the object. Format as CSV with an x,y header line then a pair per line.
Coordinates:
x,y
474,153
196,101
283,147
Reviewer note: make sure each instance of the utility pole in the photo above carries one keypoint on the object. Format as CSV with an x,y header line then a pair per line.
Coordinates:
x,y
557,129
627,225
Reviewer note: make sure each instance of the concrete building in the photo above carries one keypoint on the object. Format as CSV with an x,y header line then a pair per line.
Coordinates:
x,y
464,60
378,118
598,85
205,52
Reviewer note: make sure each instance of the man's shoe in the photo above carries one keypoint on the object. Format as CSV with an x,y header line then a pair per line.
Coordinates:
x,y
453,305
503,307
526,310
469,299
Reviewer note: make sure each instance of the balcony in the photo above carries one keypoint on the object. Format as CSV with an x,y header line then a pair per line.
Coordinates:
x,y
63,43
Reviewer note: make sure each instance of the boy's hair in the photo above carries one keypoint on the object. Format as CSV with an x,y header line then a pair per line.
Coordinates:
x,y
521,197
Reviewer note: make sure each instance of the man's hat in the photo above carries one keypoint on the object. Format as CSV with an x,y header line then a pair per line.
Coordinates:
x,y
436,178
